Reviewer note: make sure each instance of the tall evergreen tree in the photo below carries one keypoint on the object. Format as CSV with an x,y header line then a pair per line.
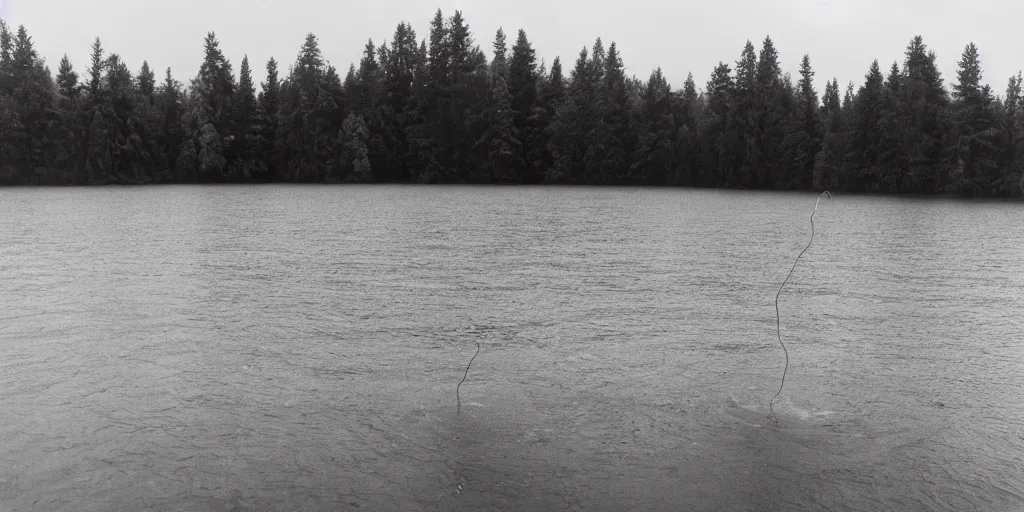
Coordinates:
x,y
829,157
400,70
1011,136
687,113
499,64
923,102
6,44
523,80
654,159
975,125
723,135
771,111
245,141
210,116
269,102
808,118
146,81
549,100
573,122
866,142
171,135
298,135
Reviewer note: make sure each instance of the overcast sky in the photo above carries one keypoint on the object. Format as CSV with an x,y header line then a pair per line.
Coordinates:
x,y
841,36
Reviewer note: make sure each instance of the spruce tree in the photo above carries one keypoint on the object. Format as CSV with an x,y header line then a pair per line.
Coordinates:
x,y
891,164
612,133
654,157
499,64
146,81
923,102
723,129
298,131
245,140
745,116
67,80
865,145
68,127
523,79
212,112
549,99
400,68
572,124
31,87
686,116
1011,137
810,124
269,101
169,106
828,158
772,104
975,126
6,44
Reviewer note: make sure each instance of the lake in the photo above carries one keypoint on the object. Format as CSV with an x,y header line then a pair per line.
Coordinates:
x,y
298,348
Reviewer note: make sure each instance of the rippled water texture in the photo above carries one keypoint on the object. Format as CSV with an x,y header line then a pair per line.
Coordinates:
x,y
298,348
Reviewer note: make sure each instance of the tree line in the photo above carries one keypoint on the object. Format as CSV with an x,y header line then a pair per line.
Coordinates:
x,y
441,110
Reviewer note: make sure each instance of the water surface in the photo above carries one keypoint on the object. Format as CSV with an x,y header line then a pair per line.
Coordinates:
x,y
297,348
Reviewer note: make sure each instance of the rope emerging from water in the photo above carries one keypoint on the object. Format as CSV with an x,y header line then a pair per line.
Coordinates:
x,y
778,322
457,398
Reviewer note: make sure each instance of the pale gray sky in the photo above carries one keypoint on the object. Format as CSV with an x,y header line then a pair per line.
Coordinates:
x,y
841,36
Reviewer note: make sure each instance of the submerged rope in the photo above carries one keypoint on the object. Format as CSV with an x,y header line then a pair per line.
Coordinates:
x,y
457,398
778,323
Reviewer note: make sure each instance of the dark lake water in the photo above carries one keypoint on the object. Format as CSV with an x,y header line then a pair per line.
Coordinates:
x,y
298,348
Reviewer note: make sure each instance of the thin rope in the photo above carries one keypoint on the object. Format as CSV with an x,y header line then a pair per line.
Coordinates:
x,y
778,322
457,398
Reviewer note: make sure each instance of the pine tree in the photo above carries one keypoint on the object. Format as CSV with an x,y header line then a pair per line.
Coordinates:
x,y
772,106
67,80
364,95
976,130
6,44
891,163
429,136
686,116
611,144
549,99
95,152
523,78
31,88
465,121
69,126
129,145
96,72
269,101
212,111
245,140
499,64
654,158
1011,137
810,125
865,145
169,106
722,130
298,130
923,101
572,124
394,112
827,160
146,81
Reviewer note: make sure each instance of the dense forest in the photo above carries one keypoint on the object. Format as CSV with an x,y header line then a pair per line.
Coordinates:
x,y
441,110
